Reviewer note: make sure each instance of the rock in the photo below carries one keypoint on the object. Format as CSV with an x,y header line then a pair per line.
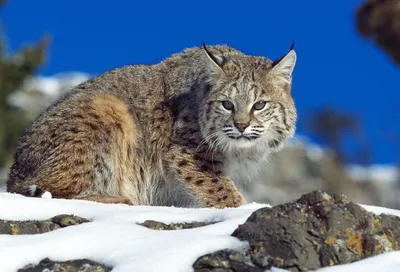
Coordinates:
x,y
155,225
39,226
68,220
226,260
315,231
83,265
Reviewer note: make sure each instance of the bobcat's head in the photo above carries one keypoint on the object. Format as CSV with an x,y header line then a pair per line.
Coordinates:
x,y
247,102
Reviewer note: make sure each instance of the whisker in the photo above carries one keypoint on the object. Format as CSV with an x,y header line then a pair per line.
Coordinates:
x,y
274,143
252,135
226,129
206,139
210,146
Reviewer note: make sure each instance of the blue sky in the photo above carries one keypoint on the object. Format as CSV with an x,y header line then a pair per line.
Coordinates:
x,y
335,66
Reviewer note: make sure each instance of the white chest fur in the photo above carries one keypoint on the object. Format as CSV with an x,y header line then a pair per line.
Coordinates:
x,y
242,169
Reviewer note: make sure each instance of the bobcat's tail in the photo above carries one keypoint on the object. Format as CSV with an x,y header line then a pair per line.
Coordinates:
x,y
26,188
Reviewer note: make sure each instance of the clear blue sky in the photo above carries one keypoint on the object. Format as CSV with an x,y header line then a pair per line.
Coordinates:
x,y
335,66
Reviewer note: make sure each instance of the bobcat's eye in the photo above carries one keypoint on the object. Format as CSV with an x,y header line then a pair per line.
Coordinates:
x,y
228,105
259,105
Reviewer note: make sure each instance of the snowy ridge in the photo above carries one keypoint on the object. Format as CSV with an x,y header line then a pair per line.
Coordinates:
x,y
43,90
55,85
113,237
376,173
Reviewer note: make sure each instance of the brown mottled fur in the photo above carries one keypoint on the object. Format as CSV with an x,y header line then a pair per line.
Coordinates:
x,y
159,134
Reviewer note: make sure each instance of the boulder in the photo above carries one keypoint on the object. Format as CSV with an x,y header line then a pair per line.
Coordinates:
x,y
315,231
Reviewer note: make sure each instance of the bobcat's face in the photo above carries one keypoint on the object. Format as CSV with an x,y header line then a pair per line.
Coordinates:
x,y
249,104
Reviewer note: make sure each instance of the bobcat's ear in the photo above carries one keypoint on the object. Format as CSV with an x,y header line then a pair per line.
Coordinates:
x,y
282,68
216,63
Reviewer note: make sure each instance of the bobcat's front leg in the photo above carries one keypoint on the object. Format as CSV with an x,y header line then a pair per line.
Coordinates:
x,y
203,178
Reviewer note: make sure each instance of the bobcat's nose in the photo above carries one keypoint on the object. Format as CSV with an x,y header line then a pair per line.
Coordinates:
x,y
241,126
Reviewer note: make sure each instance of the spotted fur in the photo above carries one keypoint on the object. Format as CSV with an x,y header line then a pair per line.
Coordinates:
x,y
189,131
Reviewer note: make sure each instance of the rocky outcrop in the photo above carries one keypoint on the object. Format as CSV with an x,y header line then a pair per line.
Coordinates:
x,y
301,167
315,231
39,226
83,265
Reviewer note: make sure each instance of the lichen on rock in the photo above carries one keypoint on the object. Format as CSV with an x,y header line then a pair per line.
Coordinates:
x,y
39,226
317,230
228,261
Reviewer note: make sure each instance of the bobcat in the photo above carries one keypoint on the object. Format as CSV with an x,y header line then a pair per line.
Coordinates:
x,y
189,131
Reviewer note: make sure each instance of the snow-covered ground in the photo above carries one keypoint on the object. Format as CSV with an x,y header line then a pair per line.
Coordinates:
x,y
113,238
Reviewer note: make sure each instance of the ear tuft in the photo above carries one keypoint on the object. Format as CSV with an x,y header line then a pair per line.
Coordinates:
x,y
215,60
292,47
283,67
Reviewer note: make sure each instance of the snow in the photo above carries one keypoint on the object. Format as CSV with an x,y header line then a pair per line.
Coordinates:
x,y
379,210
386,262
46,85
377,173
113,238
56,85
46,195
49,88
